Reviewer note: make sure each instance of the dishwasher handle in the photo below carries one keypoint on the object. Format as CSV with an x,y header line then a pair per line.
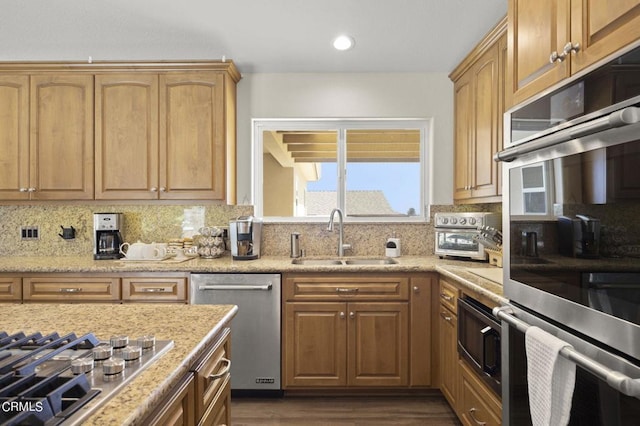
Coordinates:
x,y
265,287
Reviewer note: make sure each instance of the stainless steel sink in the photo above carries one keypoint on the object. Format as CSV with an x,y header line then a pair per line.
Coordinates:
x,y
344,262
316,262
529,261
385,261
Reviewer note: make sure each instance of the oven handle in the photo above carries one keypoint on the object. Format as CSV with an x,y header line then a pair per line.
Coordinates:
x,y
617,380
620,118
266,287
489,334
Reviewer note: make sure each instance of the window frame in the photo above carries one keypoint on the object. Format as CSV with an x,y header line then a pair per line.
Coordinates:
x,y
341,125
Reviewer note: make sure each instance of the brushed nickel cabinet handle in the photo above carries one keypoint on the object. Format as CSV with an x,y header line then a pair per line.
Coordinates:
x,y
153,289
70,290
446,297
346,290
445,316
224,372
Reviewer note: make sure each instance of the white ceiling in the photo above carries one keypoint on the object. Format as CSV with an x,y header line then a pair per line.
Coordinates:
x,y
259,35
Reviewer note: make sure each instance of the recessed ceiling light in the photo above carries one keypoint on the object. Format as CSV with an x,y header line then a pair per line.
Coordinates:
x,y
344,42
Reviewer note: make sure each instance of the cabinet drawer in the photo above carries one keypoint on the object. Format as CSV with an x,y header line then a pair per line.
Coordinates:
x,y
449,296
219,413
67,289
347,288
211,373
154,289
478,405
10,289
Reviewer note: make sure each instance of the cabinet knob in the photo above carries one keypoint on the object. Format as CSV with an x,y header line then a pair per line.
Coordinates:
x,y
153,189
23,189
352,315
416,289
31,189
571,48
342,315
163,189
557,57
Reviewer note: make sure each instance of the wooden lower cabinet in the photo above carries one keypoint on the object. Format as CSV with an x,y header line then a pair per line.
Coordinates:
x,y
477,405
11,289
203,396
178,408
449,377
353,331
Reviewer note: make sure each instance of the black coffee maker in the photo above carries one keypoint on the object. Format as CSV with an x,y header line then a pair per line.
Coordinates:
x,y
107,237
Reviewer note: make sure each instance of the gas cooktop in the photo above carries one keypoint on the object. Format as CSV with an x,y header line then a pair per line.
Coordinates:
x,y
61,380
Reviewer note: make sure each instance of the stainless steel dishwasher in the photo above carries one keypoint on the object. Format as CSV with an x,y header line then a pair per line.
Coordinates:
x,y
255,338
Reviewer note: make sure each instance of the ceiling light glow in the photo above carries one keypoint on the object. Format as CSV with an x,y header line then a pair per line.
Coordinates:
x,y
343,42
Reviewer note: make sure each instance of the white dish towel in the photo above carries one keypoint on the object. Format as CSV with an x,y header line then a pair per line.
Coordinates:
x,y
550,377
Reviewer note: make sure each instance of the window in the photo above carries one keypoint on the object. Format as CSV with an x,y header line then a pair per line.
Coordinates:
x,y
370,169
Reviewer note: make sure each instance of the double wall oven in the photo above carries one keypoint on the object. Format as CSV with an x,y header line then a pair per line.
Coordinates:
x,y
571,219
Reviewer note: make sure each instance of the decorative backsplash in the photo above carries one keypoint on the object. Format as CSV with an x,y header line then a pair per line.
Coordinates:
x,y
152,223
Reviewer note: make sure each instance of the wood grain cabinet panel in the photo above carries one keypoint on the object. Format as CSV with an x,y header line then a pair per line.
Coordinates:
x,y
10,289
126,136
350,331
70,289
478,405
578,32
179,408
14,137
154,289
61,138
479,104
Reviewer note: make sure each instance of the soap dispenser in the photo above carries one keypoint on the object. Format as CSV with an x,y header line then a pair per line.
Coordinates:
x,y
392,247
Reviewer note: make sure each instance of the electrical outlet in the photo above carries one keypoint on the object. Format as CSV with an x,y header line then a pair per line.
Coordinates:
x,y
29,233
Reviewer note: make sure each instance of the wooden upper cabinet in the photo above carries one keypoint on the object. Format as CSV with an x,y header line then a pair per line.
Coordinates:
x,y
126,136
579,32
61,139
479,104
14,137
192,136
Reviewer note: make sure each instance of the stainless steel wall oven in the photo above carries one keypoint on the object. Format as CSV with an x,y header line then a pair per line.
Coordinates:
x,y
572,238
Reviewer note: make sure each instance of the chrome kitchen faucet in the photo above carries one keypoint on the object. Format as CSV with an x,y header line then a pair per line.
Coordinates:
x,y
341,245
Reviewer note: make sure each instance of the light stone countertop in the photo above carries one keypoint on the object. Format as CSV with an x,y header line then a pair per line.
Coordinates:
x,y
455,269
191,327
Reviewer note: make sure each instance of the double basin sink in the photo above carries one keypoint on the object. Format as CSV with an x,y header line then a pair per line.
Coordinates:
x,y
345,262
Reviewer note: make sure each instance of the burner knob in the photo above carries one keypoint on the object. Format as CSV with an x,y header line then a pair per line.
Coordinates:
x,y
102,352
463,221
131,353
444,220
146,342
472,221
119,341
113,366
454,220
81,365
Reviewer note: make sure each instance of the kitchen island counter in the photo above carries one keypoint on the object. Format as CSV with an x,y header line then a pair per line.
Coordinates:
x,y
191,327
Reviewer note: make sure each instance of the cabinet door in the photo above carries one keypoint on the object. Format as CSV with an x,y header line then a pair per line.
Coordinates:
x,y
212,376
478,405
601,28
14,137
10,289
536,29
378,344
463,104
484,142
192,136
126,136
61,141
314,341
449,376
422,288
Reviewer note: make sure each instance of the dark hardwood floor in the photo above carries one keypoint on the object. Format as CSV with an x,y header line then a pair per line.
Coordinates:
x,y
343,411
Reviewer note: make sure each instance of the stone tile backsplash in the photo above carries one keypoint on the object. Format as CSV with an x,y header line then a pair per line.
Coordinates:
x,y
158,223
